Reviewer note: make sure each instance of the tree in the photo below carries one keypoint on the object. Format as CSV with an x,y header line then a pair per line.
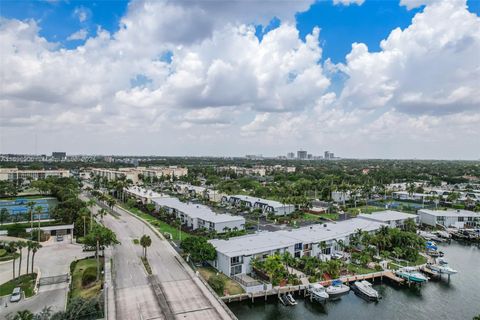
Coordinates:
x,y
35,247
23,315
102,213
410,226
20,246
100,236
145,242
217,283
38,211
12,247
4,215
199,248
29,249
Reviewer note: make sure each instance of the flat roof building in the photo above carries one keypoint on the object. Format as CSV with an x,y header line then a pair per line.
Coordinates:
x,y
14,174
267,206
390,217
449,218
234,255
197,216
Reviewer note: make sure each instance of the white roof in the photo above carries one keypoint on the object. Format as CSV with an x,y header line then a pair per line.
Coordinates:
x,y
253,200
267,241
450,213
142,192
196,210
51,228
388,215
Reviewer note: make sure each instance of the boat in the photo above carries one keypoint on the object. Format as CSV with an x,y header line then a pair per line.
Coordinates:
x,y
442,261
443,234
442,269
290,299
411,274
364,289
317,292
337,289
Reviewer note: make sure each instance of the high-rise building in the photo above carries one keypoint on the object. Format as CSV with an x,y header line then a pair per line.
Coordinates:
x,y
290,155
59,155
329,155
301,155
309,156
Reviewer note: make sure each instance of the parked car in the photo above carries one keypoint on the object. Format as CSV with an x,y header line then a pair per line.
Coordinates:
x,y
16,295
59,238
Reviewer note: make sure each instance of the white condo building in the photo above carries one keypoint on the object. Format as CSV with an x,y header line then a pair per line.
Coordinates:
x,y
449,218
234,255
267,206
391,218
196,216
13,174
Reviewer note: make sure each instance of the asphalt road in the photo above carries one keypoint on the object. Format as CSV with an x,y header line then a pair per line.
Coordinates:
x,y
183,295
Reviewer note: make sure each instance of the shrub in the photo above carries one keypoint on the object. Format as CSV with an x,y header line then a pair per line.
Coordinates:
x,y
3,252
89,276
217,283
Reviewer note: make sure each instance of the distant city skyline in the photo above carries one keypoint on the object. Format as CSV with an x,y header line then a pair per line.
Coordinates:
x,y
366,79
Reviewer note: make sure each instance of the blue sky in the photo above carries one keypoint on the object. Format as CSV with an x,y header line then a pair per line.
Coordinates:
x,y
340,25
191,76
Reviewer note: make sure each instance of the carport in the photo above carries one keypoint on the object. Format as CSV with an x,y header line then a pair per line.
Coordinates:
x,y
60,230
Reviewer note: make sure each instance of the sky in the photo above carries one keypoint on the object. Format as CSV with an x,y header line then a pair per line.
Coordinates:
x,y
361,78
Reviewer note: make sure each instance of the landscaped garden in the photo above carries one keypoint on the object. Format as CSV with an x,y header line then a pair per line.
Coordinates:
x,y
220,282
26,282
84,278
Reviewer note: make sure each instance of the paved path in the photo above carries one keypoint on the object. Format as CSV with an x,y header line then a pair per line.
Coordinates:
x,y
173,292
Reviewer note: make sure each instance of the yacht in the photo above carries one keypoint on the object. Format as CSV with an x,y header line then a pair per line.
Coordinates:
x,y
337,289
364,289
442,268
318,292
411,274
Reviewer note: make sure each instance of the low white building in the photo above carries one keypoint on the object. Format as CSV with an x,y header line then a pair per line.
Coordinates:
x,y
267,206
390,217
449,218
341,196
405,195
234,255
141,194
196,216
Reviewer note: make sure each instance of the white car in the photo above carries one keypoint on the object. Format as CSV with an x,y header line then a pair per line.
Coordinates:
x,y
16,295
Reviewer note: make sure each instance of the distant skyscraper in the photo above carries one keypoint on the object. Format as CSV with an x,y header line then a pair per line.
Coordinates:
x,y
290,155
329,155
309,156
59,155
301,155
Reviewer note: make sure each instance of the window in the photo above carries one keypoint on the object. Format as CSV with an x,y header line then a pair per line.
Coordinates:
x,y
327,250
470,219
236,260
297,254
460,219
235,270
298,246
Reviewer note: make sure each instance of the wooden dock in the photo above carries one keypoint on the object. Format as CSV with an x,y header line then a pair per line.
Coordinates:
x,y
369,276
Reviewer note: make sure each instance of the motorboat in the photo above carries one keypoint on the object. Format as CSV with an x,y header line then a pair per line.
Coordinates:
x,y
365,290
411,274
443,234
431,245
290,299
442,269
337,289
318,292
442,261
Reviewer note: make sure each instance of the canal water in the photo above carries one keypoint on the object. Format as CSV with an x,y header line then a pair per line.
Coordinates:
x,y
438,299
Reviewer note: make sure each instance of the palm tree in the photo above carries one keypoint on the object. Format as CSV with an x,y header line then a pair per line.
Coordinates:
x,y
38,211
12,246
35,247
29,248
102,213
20,246
30,206
145,242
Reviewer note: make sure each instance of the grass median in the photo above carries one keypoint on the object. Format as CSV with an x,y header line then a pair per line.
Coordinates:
x,y
26,282
84,274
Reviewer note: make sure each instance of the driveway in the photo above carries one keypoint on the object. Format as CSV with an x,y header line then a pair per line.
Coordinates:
x,y
53,259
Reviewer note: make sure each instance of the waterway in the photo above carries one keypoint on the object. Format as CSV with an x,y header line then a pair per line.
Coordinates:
x,y
457,299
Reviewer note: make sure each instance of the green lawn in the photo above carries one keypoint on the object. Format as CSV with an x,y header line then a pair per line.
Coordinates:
x,y
158,224
79,268
231,286
26,282
359,269
9,256
311,217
